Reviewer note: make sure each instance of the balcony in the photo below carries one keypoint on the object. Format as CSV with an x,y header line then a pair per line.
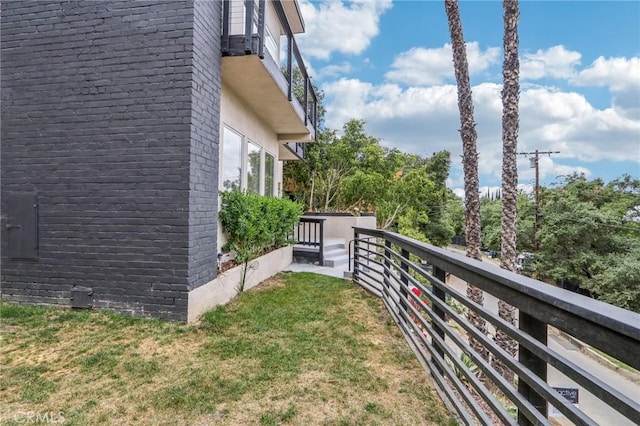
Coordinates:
x,y
262,64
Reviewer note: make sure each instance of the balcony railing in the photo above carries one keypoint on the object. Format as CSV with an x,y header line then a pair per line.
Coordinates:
x,y
415,280
297,149
245,31
308,237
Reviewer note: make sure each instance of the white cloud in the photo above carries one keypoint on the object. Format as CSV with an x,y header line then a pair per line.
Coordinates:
x,y
555,62
336,26
334,70
617,73
421,66
548,168
425,119
621,75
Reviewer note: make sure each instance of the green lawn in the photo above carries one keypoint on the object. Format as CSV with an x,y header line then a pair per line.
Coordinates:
x,y
299,349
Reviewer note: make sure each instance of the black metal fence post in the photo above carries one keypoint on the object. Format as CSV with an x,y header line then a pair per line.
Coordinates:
x,y
248,26
538,330
441,275
321,242
387,263
261,27
404,288
356,259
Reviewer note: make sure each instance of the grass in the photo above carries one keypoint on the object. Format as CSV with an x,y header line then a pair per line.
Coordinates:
x,y
299,349
616,362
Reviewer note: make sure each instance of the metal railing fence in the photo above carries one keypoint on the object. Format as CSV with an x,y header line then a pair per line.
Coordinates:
x,y
411,278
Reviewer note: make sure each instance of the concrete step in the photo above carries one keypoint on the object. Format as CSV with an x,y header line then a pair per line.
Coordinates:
x,y
335,256
336,261
335,252
333,243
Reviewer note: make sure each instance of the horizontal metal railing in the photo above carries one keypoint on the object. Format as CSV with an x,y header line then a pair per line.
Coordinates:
x,y
411,278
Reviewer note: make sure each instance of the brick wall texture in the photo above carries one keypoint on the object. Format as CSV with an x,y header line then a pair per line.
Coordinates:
x,y
110,114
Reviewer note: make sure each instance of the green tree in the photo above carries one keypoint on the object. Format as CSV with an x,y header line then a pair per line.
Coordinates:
x,y
454,214
490,217
354,172
589,237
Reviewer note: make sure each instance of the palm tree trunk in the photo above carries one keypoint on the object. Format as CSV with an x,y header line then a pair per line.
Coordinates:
x,y
470,161
510,127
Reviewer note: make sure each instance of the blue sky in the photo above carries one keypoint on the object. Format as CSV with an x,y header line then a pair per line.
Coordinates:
x,y
389,63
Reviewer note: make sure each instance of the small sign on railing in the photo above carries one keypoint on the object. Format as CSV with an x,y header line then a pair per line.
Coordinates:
x,y
570,394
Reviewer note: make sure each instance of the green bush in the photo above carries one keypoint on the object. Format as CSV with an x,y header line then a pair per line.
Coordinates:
x,y
255,224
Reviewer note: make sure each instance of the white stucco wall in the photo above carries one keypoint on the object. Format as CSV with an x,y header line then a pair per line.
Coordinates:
x,y
238,116
341,226
225,286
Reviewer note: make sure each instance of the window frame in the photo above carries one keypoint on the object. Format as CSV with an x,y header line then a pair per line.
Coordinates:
x,y
244,163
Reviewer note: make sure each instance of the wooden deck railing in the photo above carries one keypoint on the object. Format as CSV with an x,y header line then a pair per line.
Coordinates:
x,y
397,269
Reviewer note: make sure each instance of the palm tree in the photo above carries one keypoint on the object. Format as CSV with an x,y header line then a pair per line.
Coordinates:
x,y
510,126
470,161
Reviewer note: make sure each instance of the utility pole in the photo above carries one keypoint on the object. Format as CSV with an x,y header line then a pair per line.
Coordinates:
x,y
534,164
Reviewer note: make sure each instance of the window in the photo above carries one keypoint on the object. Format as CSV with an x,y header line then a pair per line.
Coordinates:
x,y
253,167
231,160
246,165
269,174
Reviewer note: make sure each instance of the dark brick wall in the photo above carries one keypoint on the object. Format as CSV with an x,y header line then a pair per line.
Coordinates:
x,y
98,119
205,124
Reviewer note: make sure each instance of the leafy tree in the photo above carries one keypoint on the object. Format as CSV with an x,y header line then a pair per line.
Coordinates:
x,y
490,217
453,214
588,239
353,172
490,213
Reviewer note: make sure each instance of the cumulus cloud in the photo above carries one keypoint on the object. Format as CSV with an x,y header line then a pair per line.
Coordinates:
x,y
617,73
554,62
334,70
422,120
424,66
338,26
621,76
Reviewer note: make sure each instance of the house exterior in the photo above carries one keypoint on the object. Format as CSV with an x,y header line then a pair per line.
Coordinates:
x,y
120,123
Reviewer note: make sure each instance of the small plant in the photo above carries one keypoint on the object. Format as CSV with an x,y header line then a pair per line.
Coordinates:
x,y
457,306
255,224
469,365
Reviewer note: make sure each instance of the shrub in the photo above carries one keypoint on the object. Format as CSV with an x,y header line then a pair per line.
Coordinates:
x,y
255,224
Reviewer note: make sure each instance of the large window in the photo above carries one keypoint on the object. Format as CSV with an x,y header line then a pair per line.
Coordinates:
x,y
246,165
254,153
269,174
231,160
